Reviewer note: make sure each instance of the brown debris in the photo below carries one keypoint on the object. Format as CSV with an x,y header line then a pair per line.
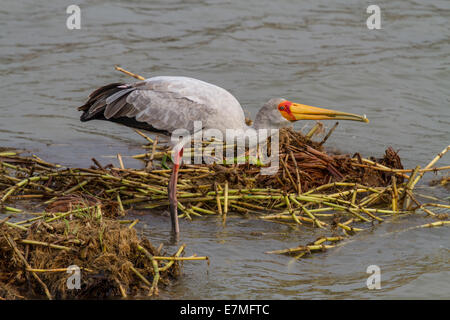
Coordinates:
x,y
316,167
105,250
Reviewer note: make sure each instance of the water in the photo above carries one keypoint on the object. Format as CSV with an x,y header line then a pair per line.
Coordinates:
x,y
319,53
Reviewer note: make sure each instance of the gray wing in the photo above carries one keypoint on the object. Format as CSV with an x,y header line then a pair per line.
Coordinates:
x,y
166,103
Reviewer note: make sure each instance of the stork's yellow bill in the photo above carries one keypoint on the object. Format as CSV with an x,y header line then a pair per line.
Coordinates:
x,y
295,111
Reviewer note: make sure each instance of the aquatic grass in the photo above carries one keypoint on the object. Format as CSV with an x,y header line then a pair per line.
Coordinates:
x,y
295,195
115,261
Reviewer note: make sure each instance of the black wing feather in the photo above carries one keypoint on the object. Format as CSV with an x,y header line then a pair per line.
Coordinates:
x,y
94,108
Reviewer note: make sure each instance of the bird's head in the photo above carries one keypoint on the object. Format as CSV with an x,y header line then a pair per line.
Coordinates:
x,y
279,112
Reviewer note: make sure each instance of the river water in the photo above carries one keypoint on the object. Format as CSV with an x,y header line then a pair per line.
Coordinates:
x,y
317,52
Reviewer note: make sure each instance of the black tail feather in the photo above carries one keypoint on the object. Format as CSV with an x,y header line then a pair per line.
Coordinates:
x,y
94,109
98,99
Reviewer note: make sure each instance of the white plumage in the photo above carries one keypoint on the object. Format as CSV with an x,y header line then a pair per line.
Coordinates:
x,y
165,104
169,103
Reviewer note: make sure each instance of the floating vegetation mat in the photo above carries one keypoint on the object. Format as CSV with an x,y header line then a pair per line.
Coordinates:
x,y
41,260
42,257
338,193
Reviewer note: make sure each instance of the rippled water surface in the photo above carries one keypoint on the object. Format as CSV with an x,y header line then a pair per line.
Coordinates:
x,y
318,53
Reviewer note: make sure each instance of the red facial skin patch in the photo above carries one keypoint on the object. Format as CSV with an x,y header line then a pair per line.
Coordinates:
x,y
285,110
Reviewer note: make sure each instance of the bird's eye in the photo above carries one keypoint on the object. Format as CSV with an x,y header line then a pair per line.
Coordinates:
x,y
282,108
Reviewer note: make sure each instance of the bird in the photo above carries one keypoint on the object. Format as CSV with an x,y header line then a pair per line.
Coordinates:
x,y
163,104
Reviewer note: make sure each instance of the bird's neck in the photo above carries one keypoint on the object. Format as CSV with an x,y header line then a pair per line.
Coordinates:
x,y
261,124
262,120
269,117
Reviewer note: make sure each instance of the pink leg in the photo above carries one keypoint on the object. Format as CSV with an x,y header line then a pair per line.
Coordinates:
x,y
172,191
